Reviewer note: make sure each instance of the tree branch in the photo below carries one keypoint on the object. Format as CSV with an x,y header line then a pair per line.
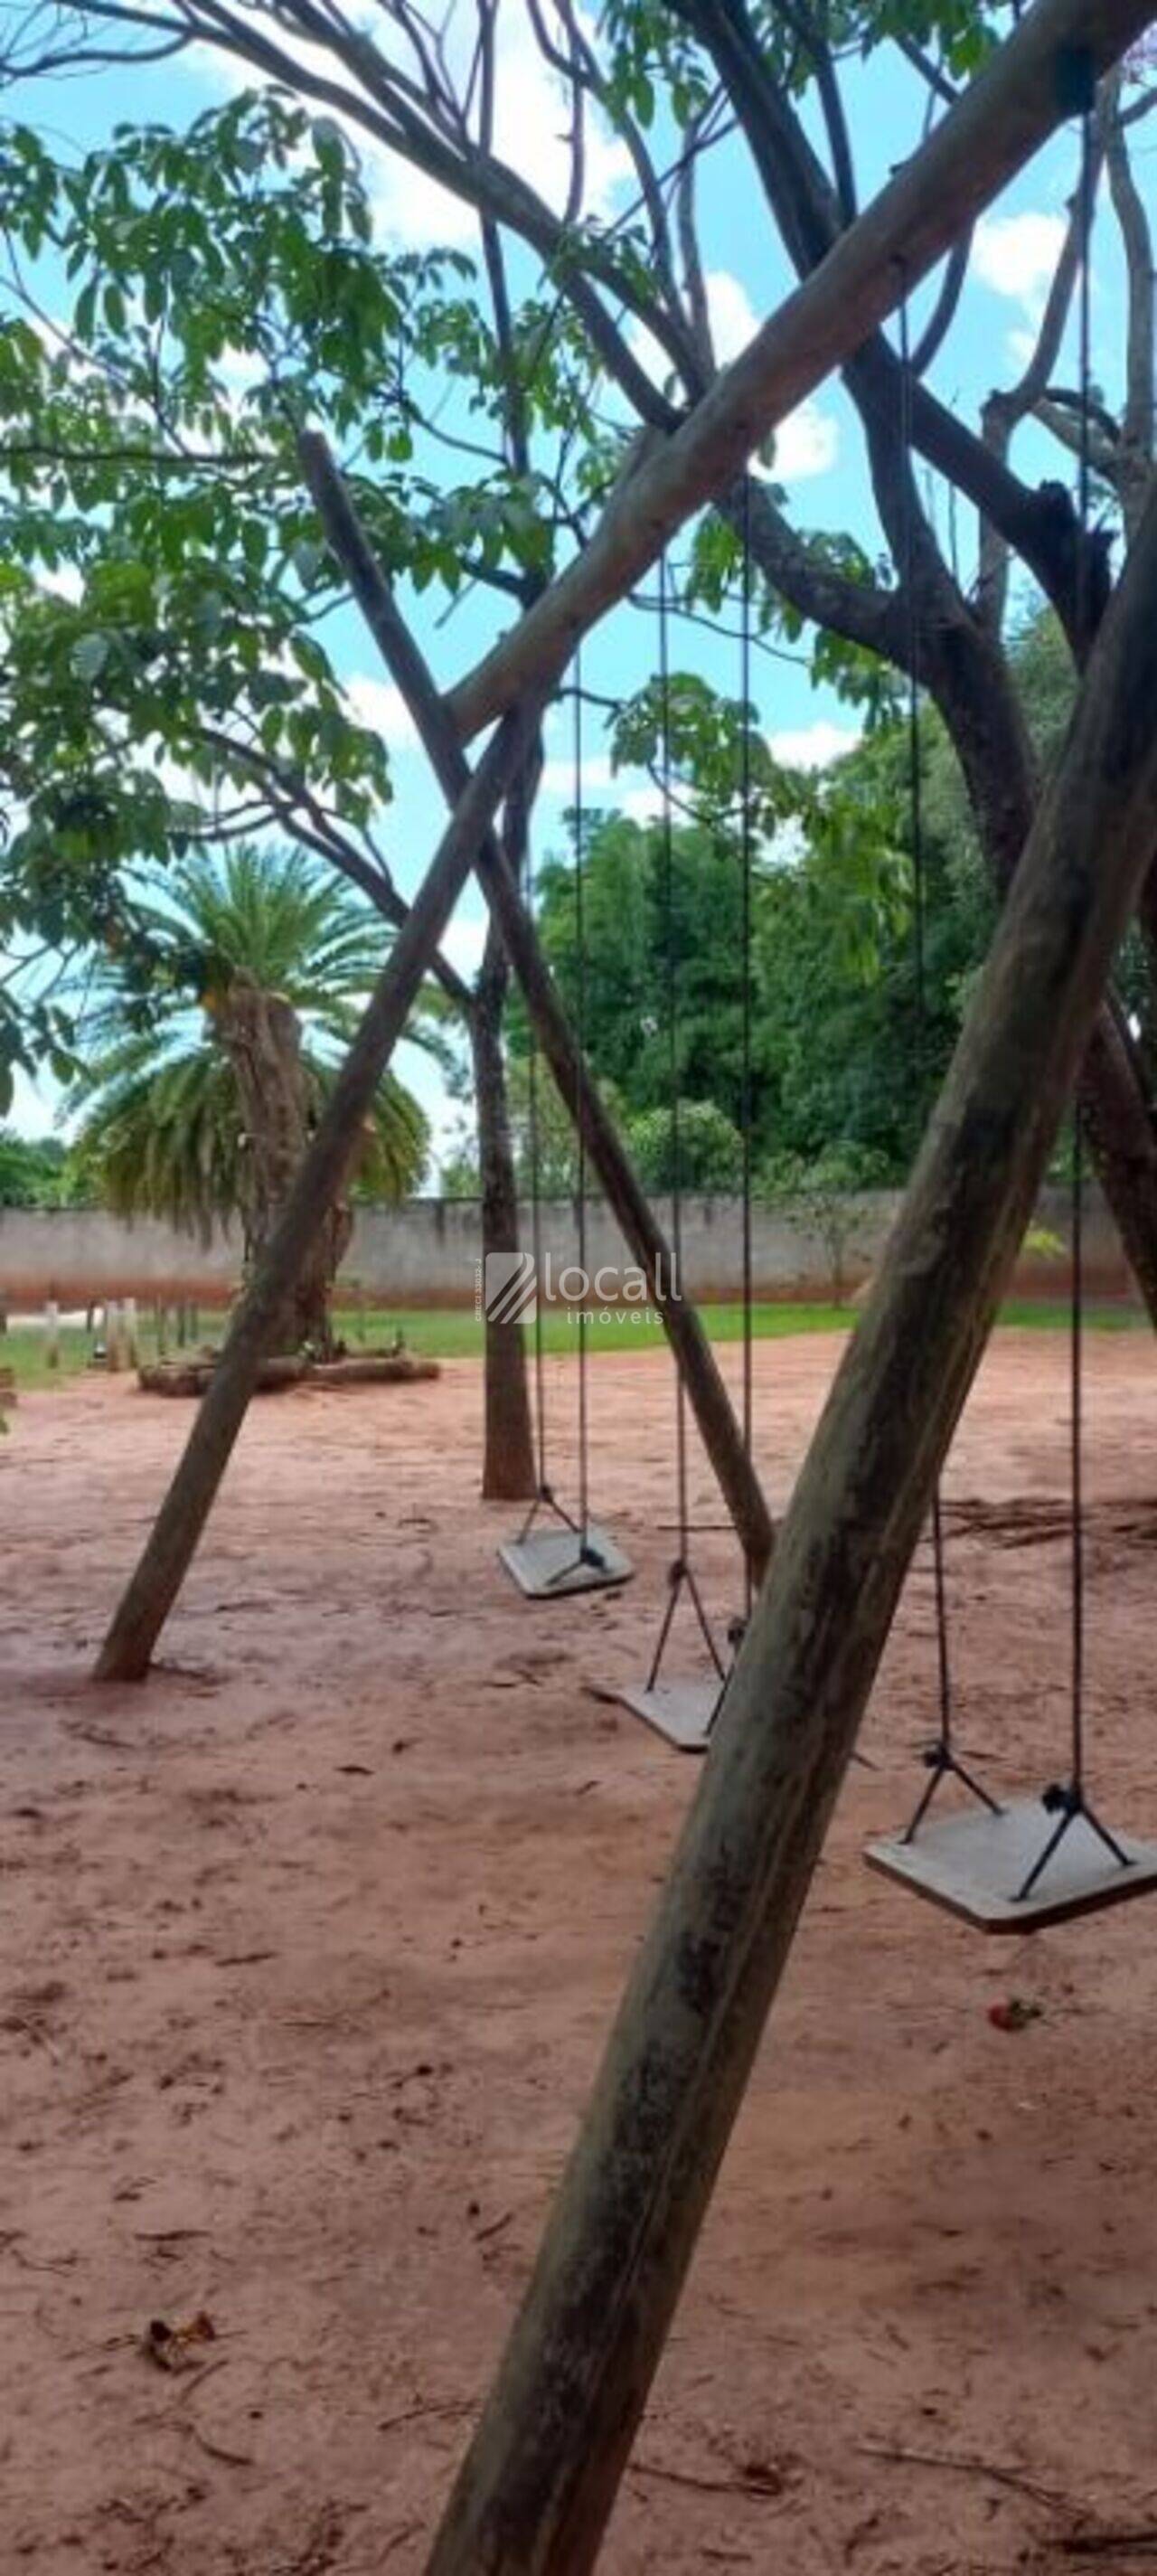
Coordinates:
x,y
403,659
807,213
289,799
1136,460
916,218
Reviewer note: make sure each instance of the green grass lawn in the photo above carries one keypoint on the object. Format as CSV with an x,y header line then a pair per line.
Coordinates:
x,y
445,1335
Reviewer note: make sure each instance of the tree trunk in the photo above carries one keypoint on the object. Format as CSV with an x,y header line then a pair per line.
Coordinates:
x,y
261,1035
693,1355
978,703
172,1541
1122,1138
692,1352
539,2481
508,1473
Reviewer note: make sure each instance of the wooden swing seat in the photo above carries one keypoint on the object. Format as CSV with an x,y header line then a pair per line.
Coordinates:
x,y
681,1711
973,1864
550,1562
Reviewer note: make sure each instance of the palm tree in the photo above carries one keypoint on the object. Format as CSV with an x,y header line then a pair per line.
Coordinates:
x,y
259,960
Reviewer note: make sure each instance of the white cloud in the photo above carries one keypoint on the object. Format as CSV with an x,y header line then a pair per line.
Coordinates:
x,y
731,314
813,746
182,784
642,804
378,704
1021,345
412,211
65,581
807,443
240,370
531,134
32,1104
558,775
1016,255
463,944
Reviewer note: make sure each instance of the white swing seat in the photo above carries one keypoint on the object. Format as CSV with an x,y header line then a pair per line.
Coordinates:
x,y
974,1864
681,1711
550,1562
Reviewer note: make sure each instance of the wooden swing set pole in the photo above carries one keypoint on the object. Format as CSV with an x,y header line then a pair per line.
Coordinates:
x,y
711,1404
539,2480
172,1542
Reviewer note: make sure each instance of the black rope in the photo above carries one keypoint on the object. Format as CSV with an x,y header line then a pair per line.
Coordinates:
x,y
1066,1800
581,1048
588,1553
940,1757
745,946
920,937
1076,1338
1076,1344
542,1492
682,1575
671,967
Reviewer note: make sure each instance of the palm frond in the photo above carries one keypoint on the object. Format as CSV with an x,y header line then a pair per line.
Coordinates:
x,y
162,1129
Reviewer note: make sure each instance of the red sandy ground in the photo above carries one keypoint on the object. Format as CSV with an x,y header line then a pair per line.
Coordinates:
x,y
310,1947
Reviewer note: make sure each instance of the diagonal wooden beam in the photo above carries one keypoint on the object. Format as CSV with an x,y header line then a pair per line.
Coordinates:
x,y
172,1541
1004,117
539,2480
694,1357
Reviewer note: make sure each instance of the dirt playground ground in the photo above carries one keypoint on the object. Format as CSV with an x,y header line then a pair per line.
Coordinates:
x,y
310,1946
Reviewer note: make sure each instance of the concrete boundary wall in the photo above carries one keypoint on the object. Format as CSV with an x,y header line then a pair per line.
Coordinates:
x,y
427,1253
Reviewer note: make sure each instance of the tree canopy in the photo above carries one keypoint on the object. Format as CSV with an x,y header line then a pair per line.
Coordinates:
x,y
164,1117
840,1052
33,1171
170,668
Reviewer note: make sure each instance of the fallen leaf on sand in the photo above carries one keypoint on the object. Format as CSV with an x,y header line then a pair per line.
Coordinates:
x,y
173,2347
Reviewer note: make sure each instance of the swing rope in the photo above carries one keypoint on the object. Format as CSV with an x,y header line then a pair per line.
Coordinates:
x,y
545,1496
581,1044
966,1867
682,1574
940,1756
746,864
542,1493
671,977
1077,1243
1066,1799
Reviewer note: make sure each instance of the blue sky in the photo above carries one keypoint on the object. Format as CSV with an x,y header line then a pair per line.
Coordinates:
x,y
819,454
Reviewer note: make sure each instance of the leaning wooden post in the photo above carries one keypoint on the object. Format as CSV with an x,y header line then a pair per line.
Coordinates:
x,y
113,1351
694,1357
540,2478
52,1334
172,1542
